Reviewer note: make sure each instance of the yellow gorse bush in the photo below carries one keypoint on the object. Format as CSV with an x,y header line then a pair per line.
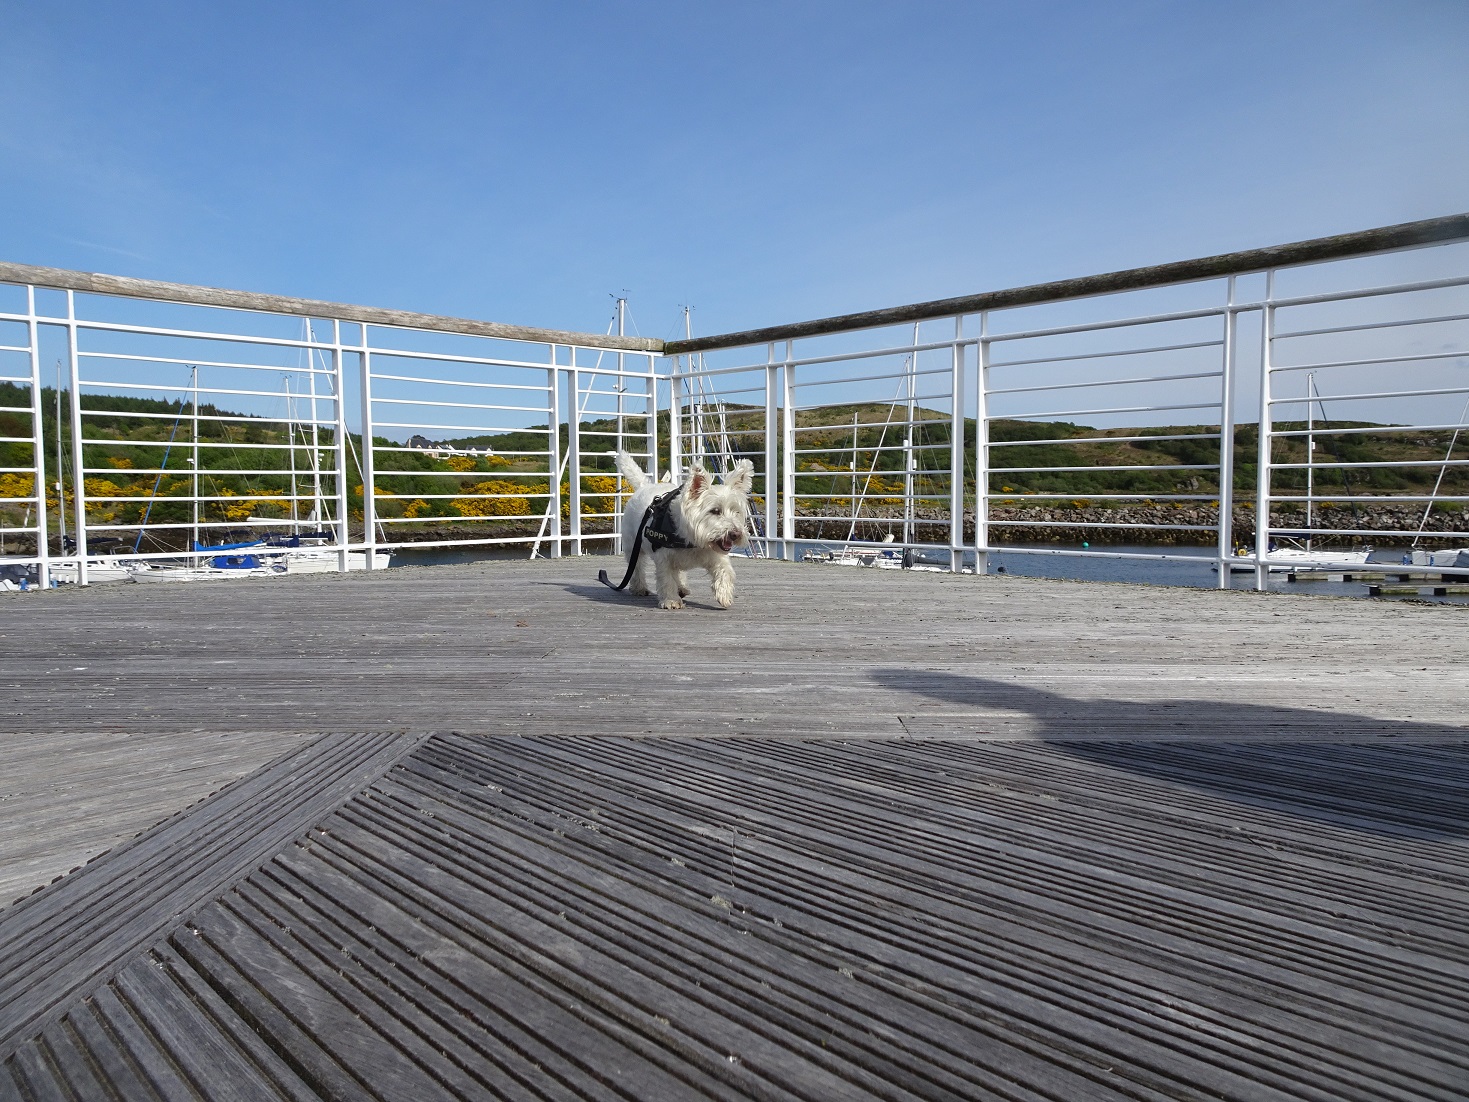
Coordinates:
x,y
17,485
501,498
250,501
597,491
105,487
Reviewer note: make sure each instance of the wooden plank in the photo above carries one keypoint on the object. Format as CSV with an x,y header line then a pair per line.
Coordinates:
x,y
160,1073
104,1051
392,1066
74,1067
324,1075
215,1067
472,1005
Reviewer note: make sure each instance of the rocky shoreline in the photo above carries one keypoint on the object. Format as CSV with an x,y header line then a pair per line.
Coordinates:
x,y
1077,524
1193,525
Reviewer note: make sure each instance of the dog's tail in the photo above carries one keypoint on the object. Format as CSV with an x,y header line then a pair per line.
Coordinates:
x,y
628,467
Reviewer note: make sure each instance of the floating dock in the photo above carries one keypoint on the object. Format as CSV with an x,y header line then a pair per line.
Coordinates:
x,y
498,832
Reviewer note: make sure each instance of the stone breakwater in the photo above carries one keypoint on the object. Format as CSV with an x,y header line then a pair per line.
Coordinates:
x,y
1075,524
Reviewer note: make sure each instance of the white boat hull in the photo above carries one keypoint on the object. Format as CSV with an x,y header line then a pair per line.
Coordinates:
x,y
1285,559
203,573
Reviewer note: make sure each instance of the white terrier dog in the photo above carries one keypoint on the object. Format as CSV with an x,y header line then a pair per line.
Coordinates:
x,y
696,523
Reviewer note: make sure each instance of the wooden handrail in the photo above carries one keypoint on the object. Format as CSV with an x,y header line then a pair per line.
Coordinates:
x,y
98,284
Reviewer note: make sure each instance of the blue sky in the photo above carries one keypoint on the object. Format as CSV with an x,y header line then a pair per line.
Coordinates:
x,y
522,162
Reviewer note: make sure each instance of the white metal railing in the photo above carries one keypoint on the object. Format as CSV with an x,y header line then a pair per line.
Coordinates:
x,y
1317,392
179,421
1125,408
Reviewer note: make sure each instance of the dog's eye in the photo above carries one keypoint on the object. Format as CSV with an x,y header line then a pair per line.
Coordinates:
x,y
715,511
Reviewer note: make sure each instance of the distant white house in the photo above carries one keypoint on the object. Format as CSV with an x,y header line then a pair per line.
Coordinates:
x,y
437,449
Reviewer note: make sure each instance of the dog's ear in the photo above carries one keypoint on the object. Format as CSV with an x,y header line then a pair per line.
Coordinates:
x,y
741,477
697,484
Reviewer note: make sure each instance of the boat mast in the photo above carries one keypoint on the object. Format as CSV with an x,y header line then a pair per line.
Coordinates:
x,y
1438,482
618,386
291,440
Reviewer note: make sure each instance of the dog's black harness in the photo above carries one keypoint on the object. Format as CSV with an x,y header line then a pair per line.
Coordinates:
x,y
657,525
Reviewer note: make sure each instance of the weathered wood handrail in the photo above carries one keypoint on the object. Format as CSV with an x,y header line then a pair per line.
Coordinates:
x,y
99,284
1430,231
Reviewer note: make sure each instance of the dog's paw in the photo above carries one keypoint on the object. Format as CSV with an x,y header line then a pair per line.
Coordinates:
x,y
725,602
672,603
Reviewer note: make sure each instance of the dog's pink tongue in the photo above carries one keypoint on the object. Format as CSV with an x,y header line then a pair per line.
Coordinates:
x,y
727,544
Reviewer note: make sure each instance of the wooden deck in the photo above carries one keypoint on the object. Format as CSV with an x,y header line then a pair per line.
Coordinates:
x,y
867,835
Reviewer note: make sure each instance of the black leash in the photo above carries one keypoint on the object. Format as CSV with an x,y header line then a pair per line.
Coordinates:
x,y
637,547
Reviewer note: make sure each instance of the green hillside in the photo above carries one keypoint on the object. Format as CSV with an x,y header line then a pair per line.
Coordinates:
x,y
842,451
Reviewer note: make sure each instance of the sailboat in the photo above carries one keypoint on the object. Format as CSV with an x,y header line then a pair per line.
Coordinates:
x,y
292,552
1448,556
1288,559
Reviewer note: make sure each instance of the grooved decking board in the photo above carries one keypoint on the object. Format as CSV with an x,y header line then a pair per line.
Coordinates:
x,y
577,918
59,940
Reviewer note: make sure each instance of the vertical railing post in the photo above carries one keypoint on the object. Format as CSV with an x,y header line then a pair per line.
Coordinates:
x,y
339,434
38,446
772,449
1224,522
910,475
194,462
553,450
78,479
573,452
956,448
621,364
651,428
788,455
367,463
982,449
317,505
1262,466
675,419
